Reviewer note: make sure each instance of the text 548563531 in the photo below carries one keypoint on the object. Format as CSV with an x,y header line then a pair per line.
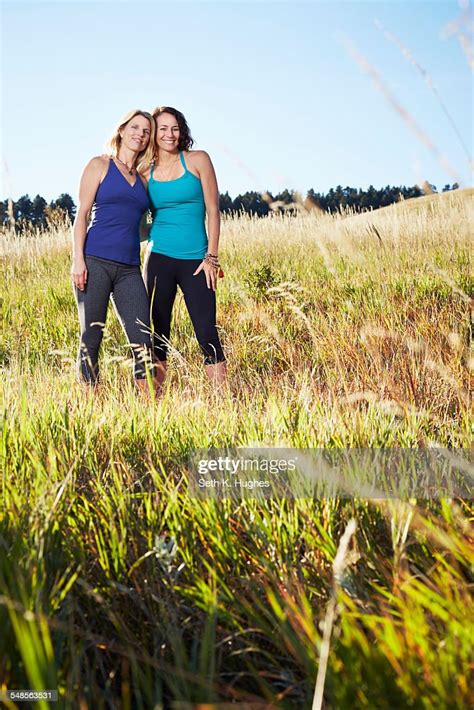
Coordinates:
x,y
26,695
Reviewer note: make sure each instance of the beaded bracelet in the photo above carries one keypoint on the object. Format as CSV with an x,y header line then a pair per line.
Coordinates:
x,y
213,260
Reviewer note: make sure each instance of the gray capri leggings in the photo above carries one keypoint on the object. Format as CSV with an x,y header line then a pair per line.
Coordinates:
x,y
125,284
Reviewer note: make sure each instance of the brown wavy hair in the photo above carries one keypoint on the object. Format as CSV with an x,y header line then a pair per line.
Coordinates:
x,y
186,141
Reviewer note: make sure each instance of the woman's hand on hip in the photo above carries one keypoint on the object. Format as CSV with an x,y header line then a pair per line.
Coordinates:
x,y
79,273
210,273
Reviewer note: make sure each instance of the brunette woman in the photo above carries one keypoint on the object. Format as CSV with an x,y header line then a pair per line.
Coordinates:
x,y
182,187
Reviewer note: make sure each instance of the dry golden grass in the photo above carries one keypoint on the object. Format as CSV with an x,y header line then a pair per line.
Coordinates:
x,y
122,590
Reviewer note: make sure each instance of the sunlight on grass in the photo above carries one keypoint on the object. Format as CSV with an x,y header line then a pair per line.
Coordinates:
x,y
116,586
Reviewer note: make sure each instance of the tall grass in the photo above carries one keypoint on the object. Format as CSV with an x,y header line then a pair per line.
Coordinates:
x,y
123,591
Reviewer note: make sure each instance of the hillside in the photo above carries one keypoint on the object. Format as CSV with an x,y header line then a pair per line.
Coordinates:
x,y
121,588
440,202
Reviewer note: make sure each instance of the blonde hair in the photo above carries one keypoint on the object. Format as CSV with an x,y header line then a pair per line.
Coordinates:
x,y
144,158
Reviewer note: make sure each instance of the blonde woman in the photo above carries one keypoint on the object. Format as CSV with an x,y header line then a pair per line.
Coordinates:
x,y
106,245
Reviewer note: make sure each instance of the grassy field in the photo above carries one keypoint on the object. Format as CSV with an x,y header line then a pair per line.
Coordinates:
x,y
121,590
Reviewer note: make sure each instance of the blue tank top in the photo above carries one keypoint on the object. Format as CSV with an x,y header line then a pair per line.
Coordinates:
x,y
179,212
114,228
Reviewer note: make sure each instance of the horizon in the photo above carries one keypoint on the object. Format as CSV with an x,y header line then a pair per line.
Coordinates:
x,y
298,70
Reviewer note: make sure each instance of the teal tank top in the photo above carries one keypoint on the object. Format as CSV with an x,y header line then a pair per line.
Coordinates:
x,y
179,212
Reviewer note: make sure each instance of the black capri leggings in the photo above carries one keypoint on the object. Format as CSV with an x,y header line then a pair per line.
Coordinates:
x,y
125,284
163,274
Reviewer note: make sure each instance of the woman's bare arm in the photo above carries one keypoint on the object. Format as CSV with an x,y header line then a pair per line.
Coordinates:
x,y
202,165
91,178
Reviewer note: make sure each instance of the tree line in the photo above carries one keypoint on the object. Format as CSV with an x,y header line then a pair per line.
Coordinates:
x,y
261,204
25,212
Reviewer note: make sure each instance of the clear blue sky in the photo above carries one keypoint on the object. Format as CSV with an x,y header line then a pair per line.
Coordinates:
x,y
269,89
